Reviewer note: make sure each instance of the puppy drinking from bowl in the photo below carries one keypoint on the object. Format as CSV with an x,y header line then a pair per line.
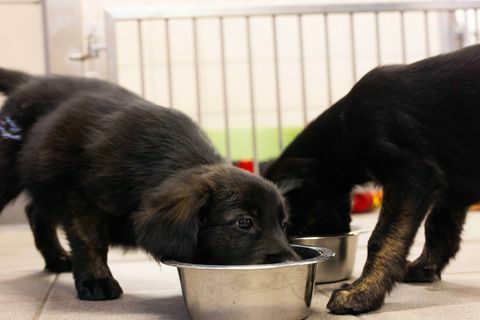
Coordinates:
x,y
114,169
414,129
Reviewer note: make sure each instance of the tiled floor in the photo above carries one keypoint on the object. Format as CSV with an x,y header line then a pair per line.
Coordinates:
x,y
153,291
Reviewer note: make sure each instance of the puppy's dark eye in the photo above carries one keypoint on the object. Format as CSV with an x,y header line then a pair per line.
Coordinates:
x,y
244,223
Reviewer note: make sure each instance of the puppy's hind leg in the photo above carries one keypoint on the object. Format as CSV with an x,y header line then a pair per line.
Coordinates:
x,y
46,240
10,186
443,228
88,237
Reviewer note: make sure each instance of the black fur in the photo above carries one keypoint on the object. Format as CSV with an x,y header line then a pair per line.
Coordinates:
x,y
415,130
114,169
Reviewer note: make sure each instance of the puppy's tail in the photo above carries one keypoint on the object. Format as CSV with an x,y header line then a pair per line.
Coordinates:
x,y
10,80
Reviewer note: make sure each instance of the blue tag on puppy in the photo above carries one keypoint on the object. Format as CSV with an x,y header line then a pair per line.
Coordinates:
x,y
9,129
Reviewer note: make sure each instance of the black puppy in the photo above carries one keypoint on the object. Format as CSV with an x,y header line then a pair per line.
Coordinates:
x,y
415,130
114,169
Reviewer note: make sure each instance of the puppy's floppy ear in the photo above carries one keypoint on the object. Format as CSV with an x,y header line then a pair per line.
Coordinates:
x,y
292,173
170,218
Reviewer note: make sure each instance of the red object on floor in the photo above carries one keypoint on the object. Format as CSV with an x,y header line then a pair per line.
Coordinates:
x,y
245,165
362,202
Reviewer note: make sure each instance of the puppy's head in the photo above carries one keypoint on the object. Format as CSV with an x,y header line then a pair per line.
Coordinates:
x,y
215,215
316,205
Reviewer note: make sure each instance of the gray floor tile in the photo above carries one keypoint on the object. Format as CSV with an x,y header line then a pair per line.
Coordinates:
x,y
455,297
23,284
14,213
153,292
22,293
150,292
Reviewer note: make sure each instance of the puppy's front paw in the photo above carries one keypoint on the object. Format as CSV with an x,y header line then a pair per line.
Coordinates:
x,y
421,271
59,264
99,289
352,300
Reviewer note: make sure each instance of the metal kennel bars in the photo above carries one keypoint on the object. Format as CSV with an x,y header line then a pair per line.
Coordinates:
x,y
459,20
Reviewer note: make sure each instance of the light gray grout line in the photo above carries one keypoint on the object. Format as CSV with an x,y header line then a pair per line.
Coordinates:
x,y
459,272
361,316
323,292
39,311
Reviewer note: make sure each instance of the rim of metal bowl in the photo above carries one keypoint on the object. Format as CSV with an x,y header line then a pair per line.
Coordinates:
x,y
323,254
355,231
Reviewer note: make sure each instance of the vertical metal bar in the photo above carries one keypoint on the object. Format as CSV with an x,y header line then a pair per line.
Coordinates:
x,y
111,42
327,60
352,48
46,47
140,57
477,37
427,34
377,38
466,31
196,71
224,90
456,36
302,68
252,95
467,28
402,38
168,64
277,82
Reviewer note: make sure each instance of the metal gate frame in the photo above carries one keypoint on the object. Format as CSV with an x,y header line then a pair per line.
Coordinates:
x,y
139,14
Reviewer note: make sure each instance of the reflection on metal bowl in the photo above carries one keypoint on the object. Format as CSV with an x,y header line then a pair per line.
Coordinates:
x,y
344,245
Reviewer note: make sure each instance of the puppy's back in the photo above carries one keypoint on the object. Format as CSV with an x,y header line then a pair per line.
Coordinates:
x,y
105,139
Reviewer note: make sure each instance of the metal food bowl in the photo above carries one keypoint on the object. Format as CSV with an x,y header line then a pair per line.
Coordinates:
x,y
264,291
344,245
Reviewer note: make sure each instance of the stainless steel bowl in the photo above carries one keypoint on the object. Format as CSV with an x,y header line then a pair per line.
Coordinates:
x,y
344,245
264,291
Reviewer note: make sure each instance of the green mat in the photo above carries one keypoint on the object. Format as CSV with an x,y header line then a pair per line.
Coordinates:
x,y
241,144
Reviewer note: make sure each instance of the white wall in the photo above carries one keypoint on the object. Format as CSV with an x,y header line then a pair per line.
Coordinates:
x,y
21,42
21,47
